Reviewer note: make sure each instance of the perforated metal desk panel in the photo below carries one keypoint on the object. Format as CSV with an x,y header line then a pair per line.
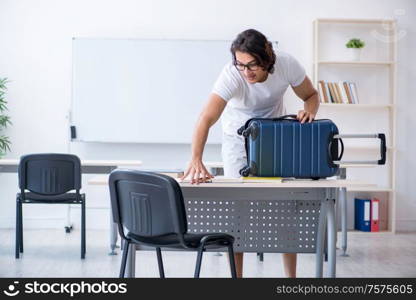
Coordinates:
x,y
261,220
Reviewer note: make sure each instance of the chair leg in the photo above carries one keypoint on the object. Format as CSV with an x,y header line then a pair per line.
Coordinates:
x,y
198,262
21,225
83,230
232,262
124,259
17,228
160,262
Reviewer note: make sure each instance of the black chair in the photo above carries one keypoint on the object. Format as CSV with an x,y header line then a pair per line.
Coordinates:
x,y
151,208
48,178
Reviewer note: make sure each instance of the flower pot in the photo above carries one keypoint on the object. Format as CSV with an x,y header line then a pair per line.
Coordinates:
x,y
355,54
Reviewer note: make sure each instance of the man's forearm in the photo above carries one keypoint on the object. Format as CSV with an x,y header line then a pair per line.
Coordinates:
x,y
200,138
312,104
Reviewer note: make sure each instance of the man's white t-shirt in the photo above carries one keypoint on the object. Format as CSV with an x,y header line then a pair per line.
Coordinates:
x,y
264,100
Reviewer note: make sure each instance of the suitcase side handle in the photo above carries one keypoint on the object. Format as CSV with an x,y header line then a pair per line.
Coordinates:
x,y
334,157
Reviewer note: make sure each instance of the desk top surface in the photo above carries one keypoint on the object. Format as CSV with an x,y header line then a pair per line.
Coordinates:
x,y
85,162
221,182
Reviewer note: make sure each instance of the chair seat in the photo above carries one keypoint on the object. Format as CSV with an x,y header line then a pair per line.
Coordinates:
x,y
38,198
192,240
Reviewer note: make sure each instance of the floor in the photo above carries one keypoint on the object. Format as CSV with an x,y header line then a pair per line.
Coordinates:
x,y
53,253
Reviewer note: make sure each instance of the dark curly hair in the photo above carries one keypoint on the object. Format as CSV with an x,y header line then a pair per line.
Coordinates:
x,y
256,44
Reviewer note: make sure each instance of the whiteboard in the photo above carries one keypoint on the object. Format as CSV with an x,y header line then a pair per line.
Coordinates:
x,y
143,91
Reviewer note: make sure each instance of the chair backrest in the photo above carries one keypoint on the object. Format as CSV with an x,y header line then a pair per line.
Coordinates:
x,y
147,204
49,173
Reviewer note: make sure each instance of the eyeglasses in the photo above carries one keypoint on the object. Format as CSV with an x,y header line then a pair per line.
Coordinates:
x,y
253,66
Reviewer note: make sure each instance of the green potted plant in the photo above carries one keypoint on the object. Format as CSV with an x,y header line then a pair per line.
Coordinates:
x,y
4,119
355,45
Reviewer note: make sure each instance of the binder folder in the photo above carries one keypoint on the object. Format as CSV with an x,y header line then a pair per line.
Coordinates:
x,y
375,213
362,214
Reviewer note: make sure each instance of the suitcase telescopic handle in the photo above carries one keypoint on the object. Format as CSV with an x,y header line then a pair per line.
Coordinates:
x,y
383,148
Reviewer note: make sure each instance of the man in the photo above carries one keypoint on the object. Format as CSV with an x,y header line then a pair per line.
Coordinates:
x,y
252,85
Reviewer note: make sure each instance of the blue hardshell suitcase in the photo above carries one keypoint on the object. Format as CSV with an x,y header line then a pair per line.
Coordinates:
x,y
283,147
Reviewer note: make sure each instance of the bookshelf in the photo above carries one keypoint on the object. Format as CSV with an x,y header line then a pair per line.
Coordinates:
x,y
355,106
375,78
340,62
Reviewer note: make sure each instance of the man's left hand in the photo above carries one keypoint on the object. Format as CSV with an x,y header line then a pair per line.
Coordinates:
x,y
305,116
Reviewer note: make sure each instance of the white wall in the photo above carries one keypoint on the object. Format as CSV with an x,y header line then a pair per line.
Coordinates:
x,y
35,53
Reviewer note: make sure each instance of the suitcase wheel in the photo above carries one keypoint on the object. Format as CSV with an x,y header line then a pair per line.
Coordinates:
x,y
247,132
245,172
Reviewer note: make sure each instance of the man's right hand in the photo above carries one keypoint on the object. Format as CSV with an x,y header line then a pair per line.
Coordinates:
x,y
197,172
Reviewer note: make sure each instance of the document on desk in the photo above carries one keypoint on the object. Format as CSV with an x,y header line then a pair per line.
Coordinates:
x,y
262,179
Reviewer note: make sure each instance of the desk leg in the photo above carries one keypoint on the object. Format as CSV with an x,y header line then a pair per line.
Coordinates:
x,y
216,172
343,202
332,232
113,235
131,262
320,243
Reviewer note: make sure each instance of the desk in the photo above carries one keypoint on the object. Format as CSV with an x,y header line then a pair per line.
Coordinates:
x,y
87,167
277,217
217,168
